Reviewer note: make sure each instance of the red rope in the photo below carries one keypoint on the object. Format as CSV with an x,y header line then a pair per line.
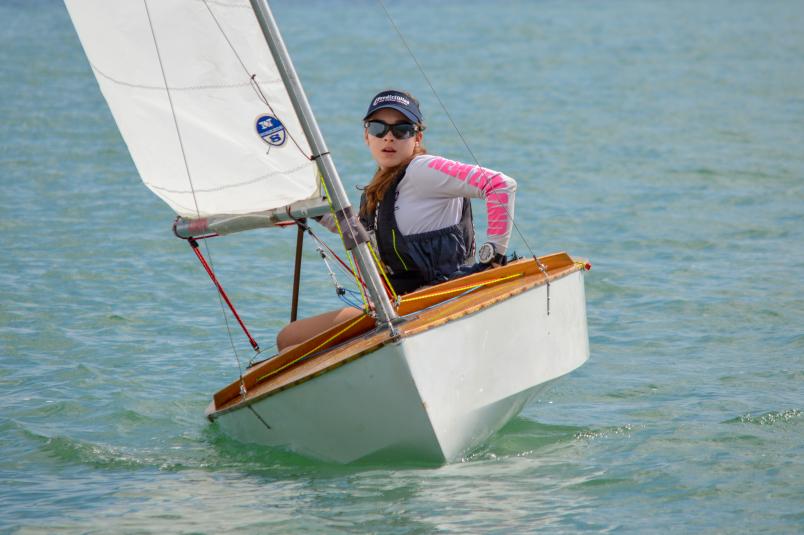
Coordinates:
x,y
194,245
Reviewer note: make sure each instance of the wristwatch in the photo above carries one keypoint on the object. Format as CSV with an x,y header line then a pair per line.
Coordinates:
x,y
488,255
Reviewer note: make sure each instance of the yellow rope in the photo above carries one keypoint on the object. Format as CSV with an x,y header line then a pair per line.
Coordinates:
x,y
348,253
382,270
316,348
461,288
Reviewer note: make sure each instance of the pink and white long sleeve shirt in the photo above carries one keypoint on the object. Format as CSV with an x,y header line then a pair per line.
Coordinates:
x,y
429,197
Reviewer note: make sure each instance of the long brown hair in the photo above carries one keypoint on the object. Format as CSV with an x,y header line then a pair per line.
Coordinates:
x,y
384,179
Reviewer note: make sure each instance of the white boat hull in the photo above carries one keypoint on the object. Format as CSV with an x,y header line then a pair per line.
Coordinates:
x,y
432,396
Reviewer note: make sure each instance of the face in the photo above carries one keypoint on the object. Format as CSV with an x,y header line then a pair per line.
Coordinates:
x,y
389,151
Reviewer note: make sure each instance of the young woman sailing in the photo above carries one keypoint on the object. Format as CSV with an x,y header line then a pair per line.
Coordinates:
x,y
417,209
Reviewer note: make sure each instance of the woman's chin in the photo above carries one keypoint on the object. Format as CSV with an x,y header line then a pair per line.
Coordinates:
x,y
389,160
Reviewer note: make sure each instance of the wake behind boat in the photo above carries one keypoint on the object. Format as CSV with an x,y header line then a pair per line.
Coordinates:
x,y
213,113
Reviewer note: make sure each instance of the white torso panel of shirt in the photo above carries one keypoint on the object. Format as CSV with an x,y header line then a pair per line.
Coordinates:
x,y
417,209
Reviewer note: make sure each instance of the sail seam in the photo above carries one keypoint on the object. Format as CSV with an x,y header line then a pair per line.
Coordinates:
x,y
226,4
228,186
180,88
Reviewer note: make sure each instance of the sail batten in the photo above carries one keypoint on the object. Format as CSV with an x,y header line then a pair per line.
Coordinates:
x,y
200,104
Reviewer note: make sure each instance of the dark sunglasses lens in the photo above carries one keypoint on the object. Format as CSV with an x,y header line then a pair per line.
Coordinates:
x,y
403,131
376,128
400,131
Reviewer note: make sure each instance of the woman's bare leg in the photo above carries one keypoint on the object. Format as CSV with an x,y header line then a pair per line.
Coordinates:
x,y
297,332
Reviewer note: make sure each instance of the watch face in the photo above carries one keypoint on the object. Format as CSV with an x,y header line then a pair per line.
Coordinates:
x,y
486,253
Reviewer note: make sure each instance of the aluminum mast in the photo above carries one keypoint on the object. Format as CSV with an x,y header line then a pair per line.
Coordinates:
x,y
353,230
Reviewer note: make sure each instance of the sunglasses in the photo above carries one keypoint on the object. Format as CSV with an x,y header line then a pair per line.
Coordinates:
x,y
399,130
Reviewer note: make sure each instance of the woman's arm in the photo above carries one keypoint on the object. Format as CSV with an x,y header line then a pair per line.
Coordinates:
x,y
436,177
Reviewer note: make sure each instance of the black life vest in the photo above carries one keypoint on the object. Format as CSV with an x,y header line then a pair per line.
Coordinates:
x,y
420,259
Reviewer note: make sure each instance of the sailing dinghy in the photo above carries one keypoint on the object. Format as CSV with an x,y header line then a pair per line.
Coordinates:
x,y
206,98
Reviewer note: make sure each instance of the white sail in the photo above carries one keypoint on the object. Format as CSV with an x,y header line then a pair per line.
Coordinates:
x,y
177,75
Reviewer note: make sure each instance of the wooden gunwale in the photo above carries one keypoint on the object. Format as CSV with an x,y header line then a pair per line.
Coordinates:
x,y
362,338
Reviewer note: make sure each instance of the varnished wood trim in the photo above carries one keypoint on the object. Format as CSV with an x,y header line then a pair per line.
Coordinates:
x,y
252,375
419,299
358,340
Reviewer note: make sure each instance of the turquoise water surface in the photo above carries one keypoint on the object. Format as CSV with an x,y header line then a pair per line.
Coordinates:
x,y
662,140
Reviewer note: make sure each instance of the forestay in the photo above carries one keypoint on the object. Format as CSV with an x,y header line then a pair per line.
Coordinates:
x,y
200,104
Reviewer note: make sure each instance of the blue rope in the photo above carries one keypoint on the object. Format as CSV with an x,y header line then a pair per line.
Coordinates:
x,y
351,298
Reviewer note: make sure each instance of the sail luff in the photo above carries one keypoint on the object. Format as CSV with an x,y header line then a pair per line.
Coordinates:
x,y
340,201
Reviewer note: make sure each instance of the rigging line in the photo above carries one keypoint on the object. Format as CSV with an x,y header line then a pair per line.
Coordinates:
x,y
226,321
252,79
441,303
461,288
352,234
258,417
341,264
189,175
172,109
427,79
388,286
256,354
351,257
449,116
313,235
339,290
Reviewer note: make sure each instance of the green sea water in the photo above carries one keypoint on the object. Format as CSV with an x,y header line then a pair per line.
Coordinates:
x,y
662,140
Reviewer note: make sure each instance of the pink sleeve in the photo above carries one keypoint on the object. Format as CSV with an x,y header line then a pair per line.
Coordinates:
x,y
440,177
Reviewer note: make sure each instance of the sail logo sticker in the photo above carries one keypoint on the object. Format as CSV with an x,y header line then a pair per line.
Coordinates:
x,y
271,130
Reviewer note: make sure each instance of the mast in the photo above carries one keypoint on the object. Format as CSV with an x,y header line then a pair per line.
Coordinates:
x,y
354,234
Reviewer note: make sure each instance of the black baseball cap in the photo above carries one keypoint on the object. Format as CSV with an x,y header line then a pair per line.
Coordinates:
x,y
396,100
